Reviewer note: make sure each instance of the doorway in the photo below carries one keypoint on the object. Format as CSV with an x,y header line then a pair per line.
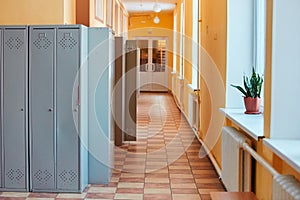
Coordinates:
x,y
153,71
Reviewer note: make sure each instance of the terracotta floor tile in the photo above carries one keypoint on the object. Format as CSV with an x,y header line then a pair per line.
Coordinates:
x,y
102,190
182,180
210,185
183,185
99,196
157,185
205,197
131,185
42,195
157,197
71,196
14,194
130,190
186,197
132,180
208,191
157,180
157,191
181,176
184,191
129,196
157,175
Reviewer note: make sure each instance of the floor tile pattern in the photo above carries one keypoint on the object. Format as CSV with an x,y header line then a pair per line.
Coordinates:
x,y
163,164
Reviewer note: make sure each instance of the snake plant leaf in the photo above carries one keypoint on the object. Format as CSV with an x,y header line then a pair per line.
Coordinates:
x,y
240,89
247,86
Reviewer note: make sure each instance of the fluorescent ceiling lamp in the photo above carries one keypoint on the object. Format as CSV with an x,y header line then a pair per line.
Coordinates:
x,y
156,20
156,8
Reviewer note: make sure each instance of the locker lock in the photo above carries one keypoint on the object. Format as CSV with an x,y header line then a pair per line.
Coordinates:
x,y
50,109
22,109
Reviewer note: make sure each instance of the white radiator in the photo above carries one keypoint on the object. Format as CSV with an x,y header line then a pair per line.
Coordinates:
x,y
193,111
173,83
285,187
236,163
180,91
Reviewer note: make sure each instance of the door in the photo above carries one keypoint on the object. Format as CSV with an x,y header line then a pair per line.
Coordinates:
x,y
42,110
159,77
153,64
1,133
67,107
145,63
14,107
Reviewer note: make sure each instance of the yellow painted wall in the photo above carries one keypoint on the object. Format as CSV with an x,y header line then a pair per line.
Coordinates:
x,y
21,12
188,29
213,67
69,11
177,11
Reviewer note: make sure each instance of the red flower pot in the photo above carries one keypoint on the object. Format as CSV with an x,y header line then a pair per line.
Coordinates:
x,y
252,105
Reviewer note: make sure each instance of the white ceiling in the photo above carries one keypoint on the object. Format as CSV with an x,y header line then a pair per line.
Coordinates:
x,y
134,6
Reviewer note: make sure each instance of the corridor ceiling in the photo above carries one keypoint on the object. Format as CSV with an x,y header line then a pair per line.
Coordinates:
x,y
139,6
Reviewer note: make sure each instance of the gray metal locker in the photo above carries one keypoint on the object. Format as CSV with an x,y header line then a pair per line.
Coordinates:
x,y
101,81
42,113
14,148
1,78
58,98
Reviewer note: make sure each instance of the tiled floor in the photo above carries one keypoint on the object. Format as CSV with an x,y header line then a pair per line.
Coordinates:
x,y
163,164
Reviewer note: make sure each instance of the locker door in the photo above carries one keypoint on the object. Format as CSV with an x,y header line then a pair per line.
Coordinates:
x,y
1,135
42,58
67,109
14,105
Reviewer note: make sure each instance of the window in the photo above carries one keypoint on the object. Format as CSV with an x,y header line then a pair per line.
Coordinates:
x,y
181,40
245,45
175,44
259,46
195,48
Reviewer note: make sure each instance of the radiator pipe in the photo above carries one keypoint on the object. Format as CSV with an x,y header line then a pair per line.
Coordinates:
x,y
259,159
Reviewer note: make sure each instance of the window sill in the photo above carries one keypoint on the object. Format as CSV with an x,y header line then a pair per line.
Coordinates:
x,y
253,125
286,150
193,87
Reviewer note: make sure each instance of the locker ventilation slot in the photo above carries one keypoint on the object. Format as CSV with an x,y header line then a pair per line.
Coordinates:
x,y
14,43
15,175
42,42
67,42
43,176
68,176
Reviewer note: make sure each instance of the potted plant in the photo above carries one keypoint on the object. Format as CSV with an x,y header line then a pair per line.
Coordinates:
x,y
251,92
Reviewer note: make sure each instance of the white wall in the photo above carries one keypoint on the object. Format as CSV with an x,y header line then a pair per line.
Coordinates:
x,y
240,23
285,109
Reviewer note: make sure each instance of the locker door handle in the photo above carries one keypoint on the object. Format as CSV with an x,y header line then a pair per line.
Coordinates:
x,y
50,109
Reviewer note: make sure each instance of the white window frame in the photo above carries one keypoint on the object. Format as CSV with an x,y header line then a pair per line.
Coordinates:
x,y
195,44
175,44
182,18
259,46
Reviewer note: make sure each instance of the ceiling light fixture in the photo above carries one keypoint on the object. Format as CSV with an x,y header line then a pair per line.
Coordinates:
x,y
156,20
156,7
